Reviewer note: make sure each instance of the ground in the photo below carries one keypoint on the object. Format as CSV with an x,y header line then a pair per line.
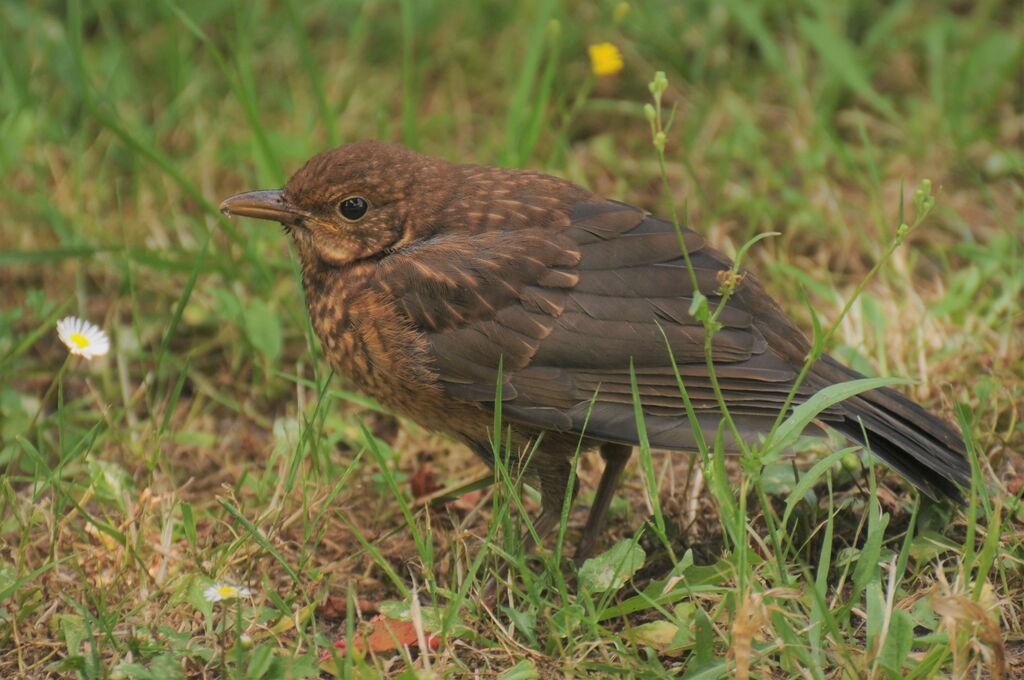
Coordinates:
x,y
213,446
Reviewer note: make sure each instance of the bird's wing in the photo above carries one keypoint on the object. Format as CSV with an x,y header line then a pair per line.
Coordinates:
x,y
568,309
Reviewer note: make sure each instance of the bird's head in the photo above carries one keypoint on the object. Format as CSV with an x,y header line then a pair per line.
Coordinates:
x,y
358,201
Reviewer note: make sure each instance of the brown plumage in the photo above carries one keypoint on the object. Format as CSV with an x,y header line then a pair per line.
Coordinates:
x,y
421,275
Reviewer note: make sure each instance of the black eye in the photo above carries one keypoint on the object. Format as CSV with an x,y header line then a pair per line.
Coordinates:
x,y
353,208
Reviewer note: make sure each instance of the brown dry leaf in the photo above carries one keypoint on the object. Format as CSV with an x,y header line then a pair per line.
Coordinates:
x,y
423,482
750,616
979,620
386,635
335,607
467,501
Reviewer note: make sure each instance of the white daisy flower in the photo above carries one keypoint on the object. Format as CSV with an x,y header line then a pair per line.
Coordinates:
x,y
83,338
223,591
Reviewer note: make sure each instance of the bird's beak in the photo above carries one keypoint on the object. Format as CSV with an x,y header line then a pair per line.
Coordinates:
x,y
263,205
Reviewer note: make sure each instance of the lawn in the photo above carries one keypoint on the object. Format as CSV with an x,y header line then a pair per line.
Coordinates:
x,y
209,500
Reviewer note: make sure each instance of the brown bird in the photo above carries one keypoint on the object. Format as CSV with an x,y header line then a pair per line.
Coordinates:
x,y
422,276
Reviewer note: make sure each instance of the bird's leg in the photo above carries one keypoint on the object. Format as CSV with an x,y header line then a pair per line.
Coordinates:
x,y
554,472
615,458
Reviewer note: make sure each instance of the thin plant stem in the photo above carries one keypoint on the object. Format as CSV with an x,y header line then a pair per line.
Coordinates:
x,y
48,394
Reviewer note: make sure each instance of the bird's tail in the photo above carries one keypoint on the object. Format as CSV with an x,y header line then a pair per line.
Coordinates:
x,y
922,447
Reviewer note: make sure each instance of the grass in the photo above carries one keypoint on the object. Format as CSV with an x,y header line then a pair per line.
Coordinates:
x,y
214,445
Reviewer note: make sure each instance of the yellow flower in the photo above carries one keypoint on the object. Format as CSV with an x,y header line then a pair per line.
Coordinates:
x,y
605,59
82,337
223,591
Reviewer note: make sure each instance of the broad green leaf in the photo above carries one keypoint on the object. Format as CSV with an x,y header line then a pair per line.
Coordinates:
x,y
524,621
110,481
778,478
524,670
8,577
135,671
867,570
566,621
194,594
72,628
874,604
401,610
663,636
612,568
695,578
286,432
259,662
898,642
810,478
263,328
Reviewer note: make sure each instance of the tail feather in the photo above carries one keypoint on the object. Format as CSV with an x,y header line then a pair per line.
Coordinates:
x,y
919,445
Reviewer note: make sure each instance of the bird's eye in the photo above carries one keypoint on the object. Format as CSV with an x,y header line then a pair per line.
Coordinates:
x,y
353,208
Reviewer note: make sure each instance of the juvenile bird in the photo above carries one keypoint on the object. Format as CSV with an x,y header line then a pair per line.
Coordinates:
x,y
422,276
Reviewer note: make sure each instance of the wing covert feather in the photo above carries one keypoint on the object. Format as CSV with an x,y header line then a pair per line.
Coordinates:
x,y
569,308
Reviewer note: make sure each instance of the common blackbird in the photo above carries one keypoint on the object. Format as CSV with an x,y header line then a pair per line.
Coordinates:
x,y
422,276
